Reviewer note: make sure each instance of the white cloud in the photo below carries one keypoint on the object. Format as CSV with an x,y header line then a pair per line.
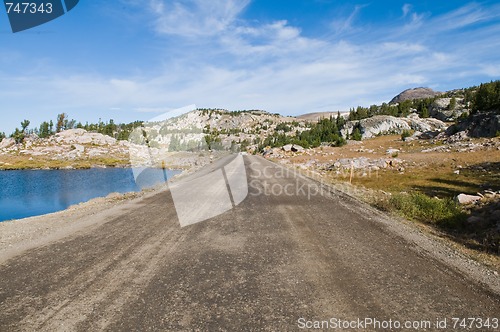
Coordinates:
x,y
276,39
465,16
491,70
403,48
151,109
406,9
344,24
193,18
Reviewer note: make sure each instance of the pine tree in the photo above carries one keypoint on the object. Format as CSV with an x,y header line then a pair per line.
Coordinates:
x,y
61,120
44,130
24,125
356,134
453,104
425,112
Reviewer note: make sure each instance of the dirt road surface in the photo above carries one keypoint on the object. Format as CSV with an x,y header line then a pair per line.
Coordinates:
x,y
280,260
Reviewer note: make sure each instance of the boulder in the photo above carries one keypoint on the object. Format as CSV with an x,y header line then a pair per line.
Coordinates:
x,y
377,125
467,199
392,151
425,125
480,124
7,143
485,125
440,109
386,124
292,148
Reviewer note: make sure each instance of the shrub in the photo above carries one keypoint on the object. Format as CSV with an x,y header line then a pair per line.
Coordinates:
x,y
443,212
406,133
356,134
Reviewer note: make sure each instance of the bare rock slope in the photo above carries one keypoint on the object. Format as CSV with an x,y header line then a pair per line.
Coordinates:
x,y
385,124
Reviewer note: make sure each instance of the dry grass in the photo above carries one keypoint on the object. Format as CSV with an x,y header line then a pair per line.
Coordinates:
x,y
13,162
431,173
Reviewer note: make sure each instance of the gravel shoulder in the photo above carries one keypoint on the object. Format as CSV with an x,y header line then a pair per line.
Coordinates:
x,y
18,236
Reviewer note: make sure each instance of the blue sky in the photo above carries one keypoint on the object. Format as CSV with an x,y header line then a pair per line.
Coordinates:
x,y
133,59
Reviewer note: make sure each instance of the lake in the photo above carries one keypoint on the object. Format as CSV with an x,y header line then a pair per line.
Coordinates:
x,y
26,193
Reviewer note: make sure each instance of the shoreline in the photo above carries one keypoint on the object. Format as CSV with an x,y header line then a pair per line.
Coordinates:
x,y
20,235
57,168
112,196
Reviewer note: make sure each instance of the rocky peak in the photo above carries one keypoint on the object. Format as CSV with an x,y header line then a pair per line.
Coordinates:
x,y
415,93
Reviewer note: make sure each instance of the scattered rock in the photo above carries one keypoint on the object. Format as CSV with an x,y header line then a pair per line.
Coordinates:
x,y
114,195
458,137
467,199
392,151
364,163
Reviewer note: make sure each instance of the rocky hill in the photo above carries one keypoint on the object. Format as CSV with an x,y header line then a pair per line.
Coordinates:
x,y
216,130
67,149
415,93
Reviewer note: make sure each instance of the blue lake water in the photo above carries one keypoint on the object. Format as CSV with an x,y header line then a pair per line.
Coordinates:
x,y
27,193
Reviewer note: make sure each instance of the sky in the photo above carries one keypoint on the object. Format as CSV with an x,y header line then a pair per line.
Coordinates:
x,y
132,60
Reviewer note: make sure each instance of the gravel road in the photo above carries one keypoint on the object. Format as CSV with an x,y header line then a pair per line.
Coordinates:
x,y
283,258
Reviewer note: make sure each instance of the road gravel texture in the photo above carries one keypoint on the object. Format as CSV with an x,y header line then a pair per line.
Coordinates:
x,y
272,260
